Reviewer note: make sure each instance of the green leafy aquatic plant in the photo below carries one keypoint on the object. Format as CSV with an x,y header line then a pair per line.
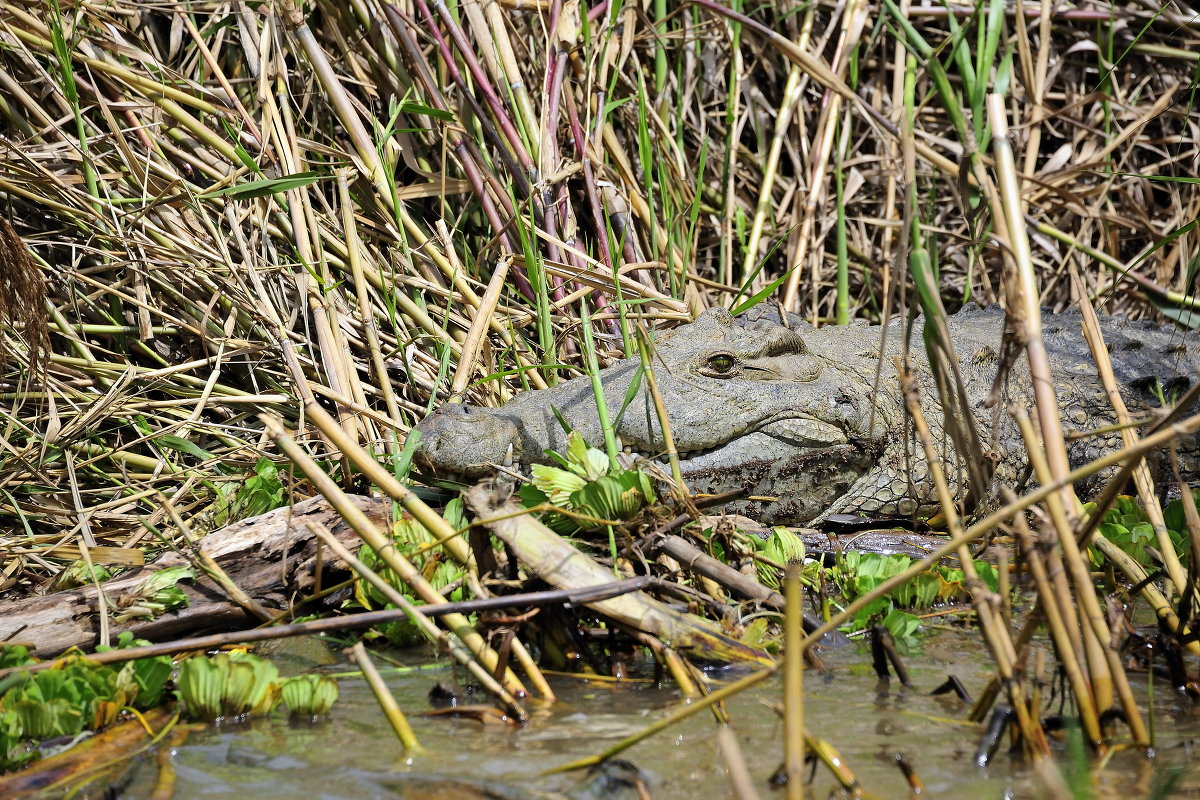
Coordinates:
x,y
147,676
856,574
79,573
62,702
780,548
588,484
258,494
1127,526
417,544
309,695
157,595
13,655
14,750
76,696
81,695
228,685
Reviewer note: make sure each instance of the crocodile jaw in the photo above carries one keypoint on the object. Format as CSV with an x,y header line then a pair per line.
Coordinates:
x,y
775,439
796,465
790,481
753,447
460,441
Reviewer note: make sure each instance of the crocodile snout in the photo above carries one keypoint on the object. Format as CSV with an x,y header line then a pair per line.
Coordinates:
x,y
465,441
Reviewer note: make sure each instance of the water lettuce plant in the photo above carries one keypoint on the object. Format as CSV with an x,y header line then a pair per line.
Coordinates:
x,y
76,696
856,574
1127,526
588,483
309,695
414,541
80,695
228,685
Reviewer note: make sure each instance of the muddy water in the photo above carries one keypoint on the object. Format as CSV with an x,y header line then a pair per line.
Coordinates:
x,y
354,755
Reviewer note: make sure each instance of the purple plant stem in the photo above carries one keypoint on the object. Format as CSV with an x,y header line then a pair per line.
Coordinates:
x,y
556,199
589,181
513,168
485,86
598,296
466,158
460,147
553,251
554,78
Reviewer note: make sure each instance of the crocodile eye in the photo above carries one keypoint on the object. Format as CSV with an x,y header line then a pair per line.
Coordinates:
x,y
720,363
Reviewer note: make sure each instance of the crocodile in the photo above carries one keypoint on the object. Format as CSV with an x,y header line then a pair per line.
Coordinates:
x,y
794,415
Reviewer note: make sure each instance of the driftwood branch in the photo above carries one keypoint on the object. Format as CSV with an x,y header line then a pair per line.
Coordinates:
x,y
364,619
272,558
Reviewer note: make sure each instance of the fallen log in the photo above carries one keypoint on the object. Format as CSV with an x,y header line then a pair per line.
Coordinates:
x,y
560,564
272,558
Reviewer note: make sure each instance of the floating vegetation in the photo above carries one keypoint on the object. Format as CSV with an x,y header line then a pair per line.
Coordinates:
x,y
414,541
1128,526
77,695
228,686
858,574
588,484
309,695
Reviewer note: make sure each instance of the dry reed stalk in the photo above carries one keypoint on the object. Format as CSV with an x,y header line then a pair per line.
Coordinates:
x,y
995,632
793,684
423,623
383,547
387,702
741,782
1141,473
1058,622
1104,661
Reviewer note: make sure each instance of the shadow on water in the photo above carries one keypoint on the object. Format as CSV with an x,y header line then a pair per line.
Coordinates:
x,y
354,754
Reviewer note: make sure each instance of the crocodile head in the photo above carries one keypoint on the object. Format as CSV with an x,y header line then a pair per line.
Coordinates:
x,y
748,402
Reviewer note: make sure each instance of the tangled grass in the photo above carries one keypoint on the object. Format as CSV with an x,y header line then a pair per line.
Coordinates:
x,y
226,207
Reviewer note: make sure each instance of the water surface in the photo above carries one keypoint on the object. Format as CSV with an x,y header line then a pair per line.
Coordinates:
x,y
355,756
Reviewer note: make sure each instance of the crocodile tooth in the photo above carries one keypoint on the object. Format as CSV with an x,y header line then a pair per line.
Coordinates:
x,y
508,456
